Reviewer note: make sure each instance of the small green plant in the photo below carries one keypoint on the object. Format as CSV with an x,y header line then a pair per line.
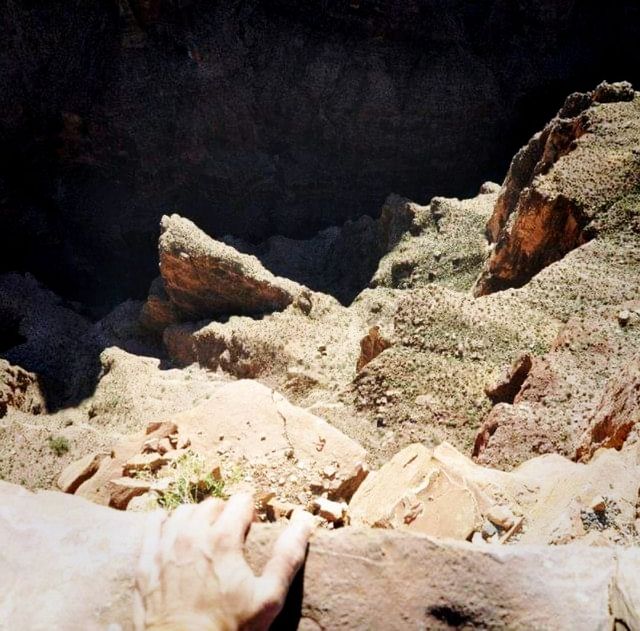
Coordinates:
x,y
191,483
59,445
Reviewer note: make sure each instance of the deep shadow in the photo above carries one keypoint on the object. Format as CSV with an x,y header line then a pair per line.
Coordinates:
x,y
452,617
10,335
61,346
289,618
258,118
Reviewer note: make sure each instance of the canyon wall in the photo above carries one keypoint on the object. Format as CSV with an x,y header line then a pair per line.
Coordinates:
x,y
262,118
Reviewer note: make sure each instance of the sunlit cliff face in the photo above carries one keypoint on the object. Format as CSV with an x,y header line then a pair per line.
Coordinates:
x,y
262,118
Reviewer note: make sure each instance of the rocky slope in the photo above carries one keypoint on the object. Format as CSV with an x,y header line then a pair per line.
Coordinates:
x,y
483,387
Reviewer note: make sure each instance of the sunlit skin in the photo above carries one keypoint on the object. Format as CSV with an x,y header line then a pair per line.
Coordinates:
x,y
193,575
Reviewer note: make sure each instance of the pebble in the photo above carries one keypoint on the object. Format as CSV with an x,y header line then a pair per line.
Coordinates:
x,y
488,530
598,504
329,472
501,516
330,510
623,317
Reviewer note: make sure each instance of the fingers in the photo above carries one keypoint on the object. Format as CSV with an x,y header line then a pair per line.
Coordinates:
x,y
148,573
230,529
207,512
288,556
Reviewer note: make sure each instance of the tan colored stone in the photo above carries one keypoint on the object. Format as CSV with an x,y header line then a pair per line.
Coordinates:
x,y
276,509
433,489
414,491
78,472
331,511
161,429
261,429
143,503
501,516
143,462
123,490
386,580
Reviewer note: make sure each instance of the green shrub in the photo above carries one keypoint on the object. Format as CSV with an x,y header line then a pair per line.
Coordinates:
x,y
59,445
191,483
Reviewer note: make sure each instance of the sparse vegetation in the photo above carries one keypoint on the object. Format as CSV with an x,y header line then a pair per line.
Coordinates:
x,y
191,482
59,445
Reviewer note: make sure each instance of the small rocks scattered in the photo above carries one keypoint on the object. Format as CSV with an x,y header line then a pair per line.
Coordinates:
x,y
501,516
333,512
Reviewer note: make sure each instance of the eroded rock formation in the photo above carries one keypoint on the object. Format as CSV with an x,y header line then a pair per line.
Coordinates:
x,y
415,376
205,278
617,414
575,169
245,430
547,500
19,390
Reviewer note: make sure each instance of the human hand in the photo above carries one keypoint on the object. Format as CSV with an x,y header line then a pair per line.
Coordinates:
x,y
193,575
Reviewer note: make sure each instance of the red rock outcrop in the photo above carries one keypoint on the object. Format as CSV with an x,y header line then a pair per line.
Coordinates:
x,y
205,278
371,345
617,414
584,160
575,398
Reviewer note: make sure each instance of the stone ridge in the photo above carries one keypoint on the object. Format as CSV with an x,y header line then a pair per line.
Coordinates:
x,y
567,176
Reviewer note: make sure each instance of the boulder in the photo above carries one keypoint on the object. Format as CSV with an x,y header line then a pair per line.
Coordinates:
x,y
414,491
204,278
67,563
242,427
79,471
548,499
